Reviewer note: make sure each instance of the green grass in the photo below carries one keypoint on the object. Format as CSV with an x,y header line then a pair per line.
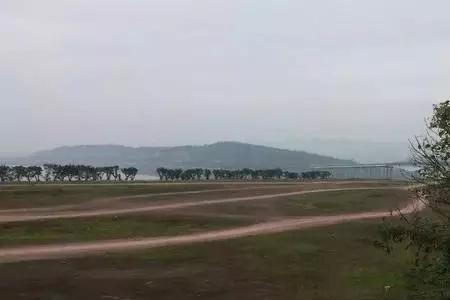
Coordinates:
x,y
331,263
111,227
19,196
41,195
325,203
182,221
345,201
334,263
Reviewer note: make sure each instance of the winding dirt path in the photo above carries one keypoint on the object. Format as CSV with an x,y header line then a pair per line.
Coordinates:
x,y
70,214
97,248
107,200
94,203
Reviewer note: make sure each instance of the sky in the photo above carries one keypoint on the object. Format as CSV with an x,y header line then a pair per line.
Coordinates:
x,y
171,72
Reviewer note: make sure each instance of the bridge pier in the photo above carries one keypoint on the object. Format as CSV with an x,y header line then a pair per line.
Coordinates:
x,y
367,171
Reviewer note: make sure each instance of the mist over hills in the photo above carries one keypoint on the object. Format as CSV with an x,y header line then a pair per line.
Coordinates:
x,y
229,155
361,151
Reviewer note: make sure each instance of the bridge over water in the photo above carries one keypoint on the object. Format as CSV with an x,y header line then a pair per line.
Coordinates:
x,y
366,171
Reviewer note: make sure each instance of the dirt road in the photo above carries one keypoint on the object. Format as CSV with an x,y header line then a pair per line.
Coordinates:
x,y
24,216
95,248
96,202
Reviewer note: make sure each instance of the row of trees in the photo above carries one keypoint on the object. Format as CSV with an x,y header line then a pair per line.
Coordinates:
x,y
240,174
55,172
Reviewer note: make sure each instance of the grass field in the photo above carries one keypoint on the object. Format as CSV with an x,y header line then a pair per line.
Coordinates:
x,y
333,263
327,263
325,203
110,227
18,196
41,195
197,219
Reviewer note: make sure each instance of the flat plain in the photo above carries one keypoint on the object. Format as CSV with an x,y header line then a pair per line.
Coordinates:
x,y
330,261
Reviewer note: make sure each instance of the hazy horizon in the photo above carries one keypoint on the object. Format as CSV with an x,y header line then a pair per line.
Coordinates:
x,y
188,72
357,150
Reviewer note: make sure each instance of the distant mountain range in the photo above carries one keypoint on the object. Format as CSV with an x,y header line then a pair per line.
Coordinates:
x,y
230,155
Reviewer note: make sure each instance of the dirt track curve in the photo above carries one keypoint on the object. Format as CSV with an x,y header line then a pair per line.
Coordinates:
x,y
96,248
126,197
30,215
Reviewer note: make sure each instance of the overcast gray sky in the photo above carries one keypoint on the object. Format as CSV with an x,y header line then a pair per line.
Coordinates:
x,y
165,72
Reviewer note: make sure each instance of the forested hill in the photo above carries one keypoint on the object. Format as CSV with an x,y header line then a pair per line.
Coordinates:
x,y
229,155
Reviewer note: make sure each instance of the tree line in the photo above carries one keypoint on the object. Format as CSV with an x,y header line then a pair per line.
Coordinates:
x,y
55,172
166,174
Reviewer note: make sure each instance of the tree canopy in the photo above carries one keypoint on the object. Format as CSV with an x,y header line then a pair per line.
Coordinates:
x,y
428,237
167,174
55,172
